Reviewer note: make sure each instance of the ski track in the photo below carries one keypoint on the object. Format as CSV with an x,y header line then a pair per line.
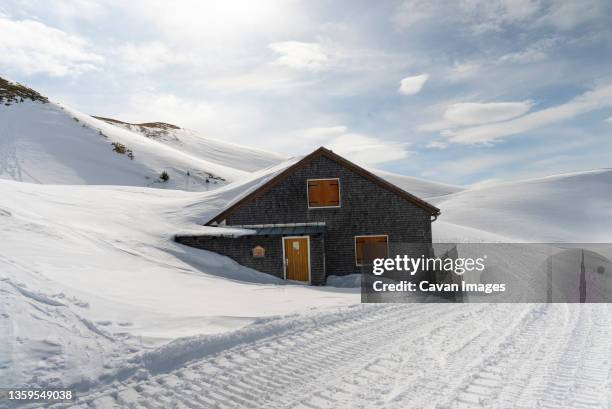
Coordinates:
x,y
399,356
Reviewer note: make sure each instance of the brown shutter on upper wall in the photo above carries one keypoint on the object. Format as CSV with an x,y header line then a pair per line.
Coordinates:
x,y
331,193
314,193
323,193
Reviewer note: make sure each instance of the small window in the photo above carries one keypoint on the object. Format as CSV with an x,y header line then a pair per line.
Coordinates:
x,y
323,193
370,247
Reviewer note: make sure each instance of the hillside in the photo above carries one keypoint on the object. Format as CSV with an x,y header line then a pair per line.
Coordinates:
x,y
48,143
44,142
187,141
573,207
419,187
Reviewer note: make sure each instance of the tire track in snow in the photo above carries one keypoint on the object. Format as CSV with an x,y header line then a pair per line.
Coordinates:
x,y
283,371
504,374
583,371
400,356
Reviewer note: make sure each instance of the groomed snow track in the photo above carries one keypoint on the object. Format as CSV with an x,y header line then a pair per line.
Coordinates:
x,y
394,356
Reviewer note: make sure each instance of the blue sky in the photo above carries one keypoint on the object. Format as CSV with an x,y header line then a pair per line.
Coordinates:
x,y
460,92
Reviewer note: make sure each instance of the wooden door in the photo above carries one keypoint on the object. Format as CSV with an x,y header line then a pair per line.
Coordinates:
x,y
296,258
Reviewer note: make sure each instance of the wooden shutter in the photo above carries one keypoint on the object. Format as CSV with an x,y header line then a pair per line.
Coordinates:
x,y
331,192
323,193
377,248
315,194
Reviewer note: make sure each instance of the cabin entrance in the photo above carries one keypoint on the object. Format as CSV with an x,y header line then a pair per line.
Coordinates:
x,y
296,258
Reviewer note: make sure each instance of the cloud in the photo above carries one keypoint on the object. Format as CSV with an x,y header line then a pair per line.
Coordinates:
x,y
437,145
471,113
609,120
229,120
30,47
463,70
300,56
567,15
528,55
600,97
361,148
477,16
412,85
149,57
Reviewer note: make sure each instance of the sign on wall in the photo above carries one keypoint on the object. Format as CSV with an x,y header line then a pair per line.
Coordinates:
x,y
258,252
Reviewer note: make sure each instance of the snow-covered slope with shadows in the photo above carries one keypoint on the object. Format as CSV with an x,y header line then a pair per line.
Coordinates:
x,y
421,188
572,207
188,141
44,142
97,265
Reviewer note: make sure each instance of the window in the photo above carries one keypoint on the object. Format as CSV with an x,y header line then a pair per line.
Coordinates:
x,y
369,248
323,193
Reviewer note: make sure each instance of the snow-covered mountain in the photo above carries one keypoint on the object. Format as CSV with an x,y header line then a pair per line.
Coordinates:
x,y
44,142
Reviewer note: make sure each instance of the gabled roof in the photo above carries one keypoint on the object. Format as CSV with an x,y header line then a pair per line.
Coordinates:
x,y
432,210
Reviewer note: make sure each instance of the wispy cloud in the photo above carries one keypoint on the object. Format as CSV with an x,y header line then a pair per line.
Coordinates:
x,y
31,47
478,16
149,57
437,145
362,148
300,55
600,97
566,15
472,113
463,114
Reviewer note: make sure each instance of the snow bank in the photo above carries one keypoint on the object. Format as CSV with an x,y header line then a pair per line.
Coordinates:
x,y
101,263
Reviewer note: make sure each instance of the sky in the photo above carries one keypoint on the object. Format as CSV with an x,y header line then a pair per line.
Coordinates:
x,y
462,92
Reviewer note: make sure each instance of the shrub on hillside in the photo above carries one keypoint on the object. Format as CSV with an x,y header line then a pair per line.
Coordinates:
x,y
119,148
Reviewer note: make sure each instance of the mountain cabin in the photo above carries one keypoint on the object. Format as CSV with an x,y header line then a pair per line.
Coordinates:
x,y
315,218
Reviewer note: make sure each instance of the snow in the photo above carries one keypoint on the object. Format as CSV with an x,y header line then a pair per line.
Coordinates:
x,y
423,189
98,296
112,250
53,144
573,207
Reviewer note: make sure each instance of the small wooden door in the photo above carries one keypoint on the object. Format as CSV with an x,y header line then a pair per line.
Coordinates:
x,y
296,258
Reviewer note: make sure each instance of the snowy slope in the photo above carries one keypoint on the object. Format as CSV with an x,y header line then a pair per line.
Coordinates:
x,y
573,207
91,261
421,188
50,144
44,142
188,141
